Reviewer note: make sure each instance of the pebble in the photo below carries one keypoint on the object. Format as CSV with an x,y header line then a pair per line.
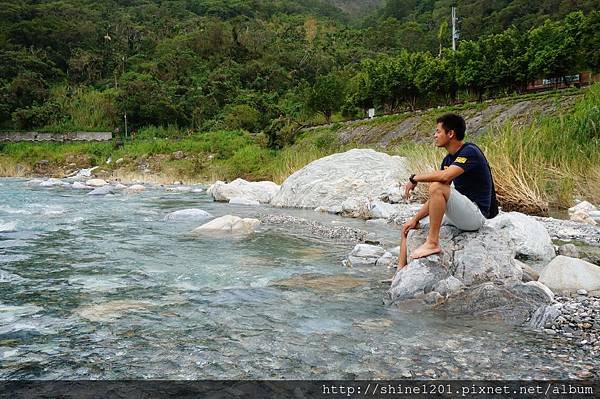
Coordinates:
x,y
579,320
581,291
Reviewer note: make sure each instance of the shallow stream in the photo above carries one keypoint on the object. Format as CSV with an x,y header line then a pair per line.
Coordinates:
x,y
105,288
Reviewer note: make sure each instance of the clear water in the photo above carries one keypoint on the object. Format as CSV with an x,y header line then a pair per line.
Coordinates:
x,y
104,288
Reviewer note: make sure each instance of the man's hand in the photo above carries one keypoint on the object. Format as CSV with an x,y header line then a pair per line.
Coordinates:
x,y
411,224
407,189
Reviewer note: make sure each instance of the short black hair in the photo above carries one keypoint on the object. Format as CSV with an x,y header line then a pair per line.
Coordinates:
x,y
453,122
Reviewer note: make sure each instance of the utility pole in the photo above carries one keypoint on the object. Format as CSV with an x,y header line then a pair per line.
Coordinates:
x,y
455,33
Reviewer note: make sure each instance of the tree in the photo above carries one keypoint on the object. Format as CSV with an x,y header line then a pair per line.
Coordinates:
x,y
325,96
553,48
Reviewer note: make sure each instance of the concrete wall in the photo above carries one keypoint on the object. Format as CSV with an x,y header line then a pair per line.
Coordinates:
x,y
71,136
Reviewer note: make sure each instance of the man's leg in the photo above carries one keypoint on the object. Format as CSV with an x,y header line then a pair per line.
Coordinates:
x,y
402,261
438,197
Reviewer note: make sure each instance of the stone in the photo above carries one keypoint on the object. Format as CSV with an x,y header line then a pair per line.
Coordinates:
x,y
569,250
96,182
365,255
243,201
80,186
329,181
583,217
136,188
262,191
387,260
188,214
119,161
179,189
53,183
566,275
473,257
581,291
583,206
530,237
510,304
542,316
595,215
381,210
229,224
178,155
356,207
448,285
104,190
529,273
418,277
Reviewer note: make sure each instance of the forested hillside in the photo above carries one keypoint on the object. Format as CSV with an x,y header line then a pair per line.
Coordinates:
x,y
272,66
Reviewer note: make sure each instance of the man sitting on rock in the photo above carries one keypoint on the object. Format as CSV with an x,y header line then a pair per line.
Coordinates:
x,y
466,204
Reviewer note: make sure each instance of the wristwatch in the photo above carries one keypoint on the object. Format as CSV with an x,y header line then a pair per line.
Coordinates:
x,y
412,179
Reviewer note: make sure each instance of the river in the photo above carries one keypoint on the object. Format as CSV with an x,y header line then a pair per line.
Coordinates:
x,y
105,288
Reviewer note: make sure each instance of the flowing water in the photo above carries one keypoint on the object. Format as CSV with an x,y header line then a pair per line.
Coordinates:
x,y
105,288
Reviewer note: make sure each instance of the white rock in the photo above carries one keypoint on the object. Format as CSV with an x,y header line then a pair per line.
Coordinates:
x,y
395,251
180,189
329,181
365,255
229,224
531,238
120,186
96,182
567,275
119,161
104,190
595,215
581,291
582,217
262,191
83,173
80,186
188,214
379,209
243,201
53,183
136,188
583,206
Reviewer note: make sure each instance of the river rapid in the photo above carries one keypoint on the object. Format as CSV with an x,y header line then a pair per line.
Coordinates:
x,y
106,288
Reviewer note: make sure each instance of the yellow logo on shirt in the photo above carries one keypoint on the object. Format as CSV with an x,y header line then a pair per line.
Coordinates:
x,y
460,159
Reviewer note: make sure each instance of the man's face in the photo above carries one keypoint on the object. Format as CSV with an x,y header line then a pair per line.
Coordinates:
x,y
441,136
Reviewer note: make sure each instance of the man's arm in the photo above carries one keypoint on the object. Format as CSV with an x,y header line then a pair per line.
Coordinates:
x,y
442,176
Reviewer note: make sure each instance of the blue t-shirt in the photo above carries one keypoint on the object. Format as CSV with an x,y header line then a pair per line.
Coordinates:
x,y
476,182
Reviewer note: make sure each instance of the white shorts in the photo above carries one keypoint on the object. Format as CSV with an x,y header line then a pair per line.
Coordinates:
x,y
462,213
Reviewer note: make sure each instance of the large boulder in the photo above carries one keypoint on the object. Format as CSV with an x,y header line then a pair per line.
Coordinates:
x,y
566,275
530,237
261,191
327,182
476,273
228,224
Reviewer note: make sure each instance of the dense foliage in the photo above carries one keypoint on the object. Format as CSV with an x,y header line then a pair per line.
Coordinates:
x,y
268,66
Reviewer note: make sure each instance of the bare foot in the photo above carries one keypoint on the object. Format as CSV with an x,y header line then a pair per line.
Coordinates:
x,y
426,250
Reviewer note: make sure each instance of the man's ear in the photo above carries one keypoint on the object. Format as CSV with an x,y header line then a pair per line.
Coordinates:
x,y
451,134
